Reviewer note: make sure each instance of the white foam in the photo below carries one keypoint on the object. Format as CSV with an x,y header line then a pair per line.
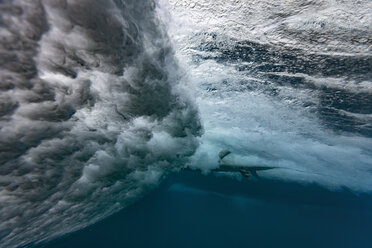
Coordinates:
x,y
96,125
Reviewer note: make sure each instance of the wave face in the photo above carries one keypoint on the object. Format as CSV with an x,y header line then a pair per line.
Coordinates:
x,y
281,83
92,113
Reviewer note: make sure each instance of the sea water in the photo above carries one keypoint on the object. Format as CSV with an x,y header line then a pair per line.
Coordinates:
x,y
193,210
103,100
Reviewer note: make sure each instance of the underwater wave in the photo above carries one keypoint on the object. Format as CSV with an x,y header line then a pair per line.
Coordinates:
x,y
92,113
281,83
101,99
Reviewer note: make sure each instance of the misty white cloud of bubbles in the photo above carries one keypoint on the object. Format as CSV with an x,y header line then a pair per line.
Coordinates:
x,y
236,51
92,113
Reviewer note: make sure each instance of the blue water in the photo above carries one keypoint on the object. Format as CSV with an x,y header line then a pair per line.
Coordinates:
x,y
193,210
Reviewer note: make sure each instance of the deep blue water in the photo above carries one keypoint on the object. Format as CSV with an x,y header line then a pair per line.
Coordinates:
x,y
193,210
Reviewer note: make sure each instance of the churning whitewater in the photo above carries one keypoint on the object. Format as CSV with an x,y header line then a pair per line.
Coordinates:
x,y
281,83
92,113
100,99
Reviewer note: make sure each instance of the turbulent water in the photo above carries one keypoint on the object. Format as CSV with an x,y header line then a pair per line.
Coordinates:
x,y
100,99
283,83
92,113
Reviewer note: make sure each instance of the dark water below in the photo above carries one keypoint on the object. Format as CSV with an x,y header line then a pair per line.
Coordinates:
x,y
193,210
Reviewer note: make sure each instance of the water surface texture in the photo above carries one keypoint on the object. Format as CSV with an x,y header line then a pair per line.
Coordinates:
x,y
100,101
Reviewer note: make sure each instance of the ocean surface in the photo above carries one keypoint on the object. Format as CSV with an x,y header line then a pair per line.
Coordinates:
x,y
104,103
